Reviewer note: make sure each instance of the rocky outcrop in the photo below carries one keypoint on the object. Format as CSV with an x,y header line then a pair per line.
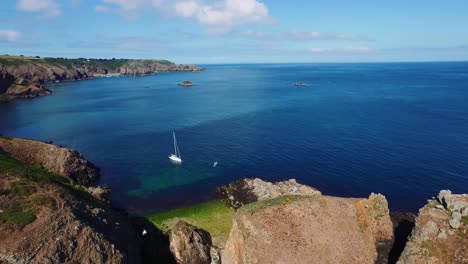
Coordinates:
x,y
46,220
440,234
246,191
6,79
190,244
11,87
284,227
62,161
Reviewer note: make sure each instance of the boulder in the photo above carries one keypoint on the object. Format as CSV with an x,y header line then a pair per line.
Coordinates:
x,y
190,244
308,229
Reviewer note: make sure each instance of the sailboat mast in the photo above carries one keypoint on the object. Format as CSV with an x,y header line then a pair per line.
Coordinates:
x,y
175,143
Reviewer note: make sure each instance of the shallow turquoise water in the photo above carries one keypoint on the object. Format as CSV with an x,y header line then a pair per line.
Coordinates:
x,y
399,128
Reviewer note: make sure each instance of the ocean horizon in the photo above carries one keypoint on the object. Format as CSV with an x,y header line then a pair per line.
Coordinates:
x,y
397,128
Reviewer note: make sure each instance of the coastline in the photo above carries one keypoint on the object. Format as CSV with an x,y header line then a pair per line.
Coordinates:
x,y
24,77
234,229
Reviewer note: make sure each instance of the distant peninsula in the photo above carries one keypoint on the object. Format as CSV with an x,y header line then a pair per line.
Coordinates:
x,y
24,77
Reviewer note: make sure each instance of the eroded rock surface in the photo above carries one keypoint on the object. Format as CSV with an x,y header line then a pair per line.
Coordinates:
x,y
440,234
246,191
191,245
62,161
63,225
308,229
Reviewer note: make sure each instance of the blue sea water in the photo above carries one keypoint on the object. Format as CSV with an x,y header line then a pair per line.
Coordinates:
x,y
400,129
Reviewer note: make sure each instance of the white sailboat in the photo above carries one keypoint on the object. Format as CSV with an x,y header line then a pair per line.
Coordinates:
x,y
176,157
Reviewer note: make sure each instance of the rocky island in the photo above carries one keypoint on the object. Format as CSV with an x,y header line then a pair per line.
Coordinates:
x,y
24,77
50,212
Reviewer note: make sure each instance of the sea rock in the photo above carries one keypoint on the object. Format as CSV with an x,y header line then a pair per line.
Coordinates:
x,y
308,229
190,244
100,192
58,160
246,191
434,238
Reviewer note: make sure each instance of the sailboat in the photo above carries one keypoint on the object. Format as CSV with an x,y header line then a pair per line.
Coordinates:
x,y
176,157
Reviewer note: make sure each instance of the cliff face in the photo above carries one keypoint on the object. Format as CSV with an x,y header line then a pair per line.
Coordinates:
x,y
315,229
287,222
61,161
23,76
11,87
440,234
47,218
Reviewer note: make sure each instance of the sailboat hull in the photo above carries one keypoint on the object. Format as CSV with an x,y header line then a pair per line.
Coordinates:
x,y
175,159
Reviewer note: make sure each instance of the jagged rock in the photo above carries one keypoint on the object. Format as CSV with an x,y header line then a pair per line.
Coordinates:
x,y
459,205
308,229
464,211
190,244
442,194
100,192
246,191
457,216
434,238
454,223
62,161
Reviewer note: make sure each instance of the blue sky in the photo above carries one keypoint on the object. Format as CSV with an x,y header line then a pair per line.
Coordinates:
x,y
237,31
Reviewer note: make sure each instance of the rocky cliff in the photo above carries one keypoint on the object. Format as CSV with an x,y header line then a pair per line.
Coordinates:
x,y
49,218
23,77
440,234
61,161
287,222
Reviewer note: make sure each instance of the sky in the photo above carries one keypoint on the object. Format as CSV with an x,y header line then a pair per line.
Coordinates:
x,y
238,31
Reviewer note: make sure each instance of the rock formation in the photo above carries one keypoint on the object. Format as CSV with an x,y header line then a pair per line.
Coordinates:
x,y
62,161
246,191
440,234
44,219
190,244
11,87
308,229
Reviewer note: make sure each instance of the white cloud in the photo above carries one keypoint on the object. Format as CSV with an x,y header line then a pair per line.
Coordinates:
x,y
342,50
219,14
102,9
48,8
9,35
225,14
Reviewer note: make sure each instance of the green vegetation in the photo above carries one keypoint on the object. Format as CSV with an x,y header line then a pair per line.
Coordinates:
x,y
70,64
212,216
280,200
18,218
33,173
23,191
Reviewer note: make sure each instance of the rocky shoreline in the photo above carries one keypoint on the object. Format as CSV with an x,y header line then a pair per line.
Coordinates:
x,y
24,77
70,221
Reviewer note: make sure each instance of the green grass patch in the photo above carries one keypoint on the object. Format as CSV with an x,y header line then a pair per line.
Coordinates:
x,y
280,200
212,216
9,166
18,218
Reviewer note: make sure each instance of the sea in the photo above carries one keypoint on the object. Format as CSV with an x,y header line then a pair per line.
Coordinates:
x,y
400,129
